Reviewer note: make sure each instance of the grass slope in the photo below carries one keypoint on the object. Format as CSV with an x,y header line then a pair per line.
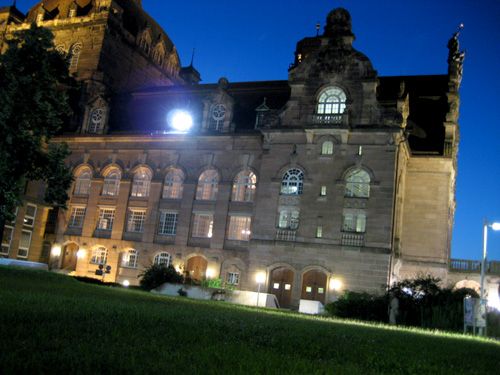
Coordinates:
x,y
53,324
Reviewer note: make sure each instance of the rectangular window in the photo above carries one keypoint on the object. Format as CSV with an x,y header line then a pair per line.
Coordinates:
x,y
29,215
76,217
239,228
136,219
289,219
6,240
323,191
233,278
354,222
24,244
203,225
106,218
319,231
168,223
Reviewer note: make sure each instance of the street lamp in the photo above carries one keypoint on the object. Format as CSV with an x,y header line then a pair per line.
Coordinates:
x,y
260,278
495,227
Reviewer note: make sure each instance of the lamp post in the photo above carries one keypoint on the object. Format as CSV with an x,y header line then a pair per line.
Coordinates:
x,y
495,227
260,278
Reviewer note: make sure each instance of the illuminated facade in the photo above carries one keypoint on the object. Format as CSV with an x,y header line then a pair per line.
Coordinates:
x,y
336,178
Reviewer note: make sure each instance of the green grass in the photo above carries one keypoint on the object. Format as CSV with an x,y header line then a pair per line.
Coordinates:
x,y
53,324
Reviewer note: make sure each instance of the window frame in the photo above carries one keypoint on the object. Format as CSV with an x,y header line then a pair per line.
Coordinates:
x,y
208,185
126,259
141,183
230,276
29,220
24,248
160,255
196,231
244,187
327,148
288,218
97,256
355,222
357,189
111,186
238,231
173,187
6,245
136,219
111,212
292,178
72,217
332,100
162,223
82,185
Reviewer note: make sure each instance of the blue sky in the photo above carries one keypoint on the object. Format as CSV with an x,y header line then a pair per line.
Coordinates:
x,y
255,40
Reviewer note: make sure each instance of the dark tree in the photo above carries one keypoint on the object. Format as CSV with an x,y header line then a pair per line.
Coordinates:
x,y
34,105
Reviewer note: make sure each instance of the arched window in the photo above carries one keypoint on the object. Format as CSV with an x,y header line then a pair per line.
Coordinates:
x,y
292,182
129,258
208,185
217,116
141,183
244,187
75,56
162,258
357,184
111,185
83,181
96,121
173,186
327,148
99,255
331,101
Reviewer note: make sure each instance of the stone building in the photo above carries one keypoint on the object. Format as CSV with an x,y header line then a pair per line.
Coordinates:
x,y
336,178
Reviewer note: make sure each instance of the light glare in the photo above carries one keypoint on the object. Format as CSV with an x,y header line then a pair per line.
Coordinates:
x,y
56,251
181,121
126,283
495,226
260,277
335,284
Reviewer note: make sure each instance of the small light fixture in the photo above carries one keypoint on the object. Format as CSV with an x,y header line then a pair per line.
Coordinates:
x,y
56,250
180,121
210,273
80,254
126,283
495,226
335,284
260,277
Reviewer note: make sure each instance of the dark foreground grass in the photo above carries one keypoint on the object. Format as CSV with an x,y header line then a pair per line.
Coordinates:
x,y
53,324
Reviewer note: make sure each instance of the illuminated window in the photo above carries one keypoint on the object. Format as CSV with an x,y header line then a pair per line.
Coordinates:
x,y
331,101
288,219
141,183
354,222
136,219
129,258
327,148
233,278
83,181
319,231
29,215
77,216
168,223
173,186
357,184
99,256
162,259
239,228
106,219
111,185
217,116
292,182
24,244
323,191
244,187
208,185
203,225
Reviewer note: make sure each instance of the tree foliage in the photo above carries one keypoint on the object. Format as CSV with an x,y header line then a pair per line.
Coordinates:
x,y
34,106
156,275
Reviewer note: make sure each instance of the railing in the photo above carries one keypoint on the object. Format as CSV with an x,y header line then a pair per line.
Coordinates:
x,y
285,235
353,239
474,266
330,119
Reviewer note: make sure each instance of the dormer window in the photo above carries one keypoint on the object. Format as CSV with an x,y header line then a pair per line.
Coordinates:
x,y
217,116
331,105
96,121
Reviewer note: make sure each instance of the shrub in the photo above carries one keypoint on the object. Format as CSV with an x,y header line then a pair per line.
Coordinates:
x,y
362,306
156,275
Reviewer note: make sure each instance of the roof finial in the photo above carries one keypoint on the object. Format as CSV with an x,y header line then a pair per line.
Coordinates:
x,y
318,26
14,3
192,57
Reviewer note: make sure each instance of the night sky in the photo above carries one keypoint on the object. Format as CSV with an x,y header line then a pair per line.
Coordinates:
x,y
255,40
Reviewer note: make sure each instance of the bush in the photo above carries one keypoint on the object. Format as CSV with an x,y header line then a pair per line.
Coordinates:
x,y
362,306
493,322
156,275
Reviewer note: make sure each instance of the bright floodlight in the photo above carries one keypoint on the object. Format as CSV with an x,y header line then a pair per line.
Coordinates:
x,y
260,278
495,226
126,283
180,121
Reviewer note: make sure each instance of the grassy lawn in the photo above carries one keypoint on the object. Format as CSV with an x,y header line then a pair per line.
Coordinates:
x,y
53,324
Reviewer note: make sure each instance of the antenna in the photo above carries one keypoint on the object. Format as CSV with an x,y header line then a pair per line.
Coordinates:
x,y
318,25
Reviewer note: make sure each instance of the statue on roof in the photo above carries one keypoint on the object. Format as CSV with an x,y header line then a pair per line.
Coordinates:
x,y
455,57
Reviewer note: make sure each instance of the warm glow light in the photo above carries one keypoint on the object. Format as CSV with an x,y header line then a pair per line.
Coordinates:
x,y
495,226
56,251
210,273
260,277
335,284
80,254
180,121
126,283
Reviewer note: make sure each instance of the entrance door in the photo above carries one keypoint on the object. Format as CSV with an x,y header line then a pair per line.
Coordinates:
x,y
69,257
314,286
196,267
281,285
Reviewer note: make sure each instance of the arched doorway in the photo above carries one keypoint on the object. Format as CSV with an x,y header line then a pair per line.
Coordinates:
x,y
281,285
314,286
70,257
196,267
